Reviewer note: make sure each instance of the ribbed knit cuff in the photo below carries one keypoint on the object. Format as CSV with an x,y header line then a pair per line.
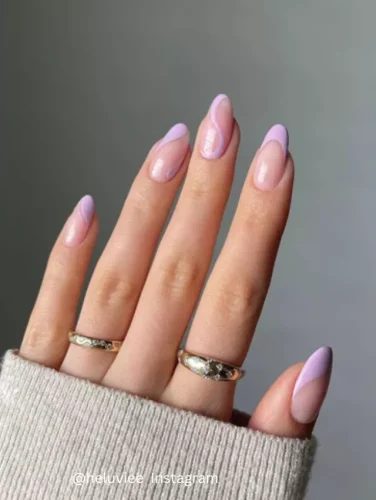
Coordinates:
x,y
56,430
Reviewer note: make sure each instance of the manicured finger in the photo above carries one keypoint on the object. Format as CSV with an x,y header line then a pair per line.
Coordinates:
x,y
236,290
120,274
148,356
291,406
54,312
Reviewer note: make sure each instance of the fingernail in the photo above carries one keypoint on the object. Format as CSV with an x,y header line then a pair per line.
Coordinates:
x,y
169,154
217,129
312,385
78,224
271,159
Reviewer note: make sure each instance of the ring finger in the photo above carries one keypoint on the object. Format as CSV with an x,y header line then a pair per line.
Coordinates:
x,y
119,276
235,293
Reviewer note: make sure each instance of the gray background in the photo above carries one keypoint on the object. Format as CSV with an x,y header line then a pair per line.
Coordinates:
x,y
90,85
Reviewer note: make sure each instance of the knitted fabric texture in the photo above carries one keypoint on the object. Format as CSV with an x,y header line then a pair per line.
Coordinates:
x,y
56,430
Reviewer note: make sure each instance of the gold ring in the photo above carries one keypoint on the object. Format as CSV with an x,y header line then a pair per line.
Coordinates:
x,y
209,368
92,343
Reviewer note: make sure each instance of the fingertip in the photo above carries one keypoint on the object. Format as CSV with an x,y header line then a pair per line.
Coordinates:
x,y
312,385
292,404
273,414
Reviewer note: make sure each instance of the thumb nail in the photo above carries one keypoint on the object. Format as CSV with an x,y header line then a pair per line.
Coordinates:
x,y
311,386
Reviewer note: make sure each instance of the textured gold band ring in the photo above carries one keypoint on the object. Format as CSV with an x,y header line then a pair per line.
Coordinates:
x,y
209,368
92,343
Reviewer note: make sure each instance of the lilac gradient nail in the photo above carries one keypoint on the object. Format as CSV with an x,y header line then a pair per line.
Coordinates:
x,y
312,385
168,157
176,132
217,129
280,134
78,223
271,161
87,207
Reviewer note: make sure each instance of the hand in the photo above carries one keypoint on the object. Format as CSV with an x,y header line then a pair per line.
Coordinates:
x,y
148,302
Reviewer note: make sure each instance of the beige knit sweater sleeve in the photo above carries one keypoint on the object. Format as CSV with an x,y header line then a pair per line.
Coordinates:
x,y
57,431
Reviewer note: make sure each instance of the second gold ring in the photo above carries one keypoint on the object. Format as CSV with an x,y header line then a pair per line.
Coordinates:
x,y
209,368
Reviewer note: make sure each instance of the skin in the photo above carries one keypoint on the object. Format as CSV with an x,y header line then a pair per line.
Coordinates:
x,y
147,299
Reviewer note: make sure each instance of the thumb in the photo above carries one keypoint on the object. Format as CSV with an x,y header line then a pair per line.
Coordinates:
x,y
292,404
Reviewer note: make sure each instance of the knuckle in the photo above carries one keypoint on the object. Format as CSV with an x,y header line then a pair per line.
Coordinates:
x,y
114,291
142,205
35,338
56,267
198,189
238,298
60,275
62,281
179,276
39,340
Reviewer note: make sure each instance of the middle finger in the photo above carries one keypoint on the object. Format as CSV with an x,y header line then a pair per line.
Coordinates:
x,y
120,274
148,355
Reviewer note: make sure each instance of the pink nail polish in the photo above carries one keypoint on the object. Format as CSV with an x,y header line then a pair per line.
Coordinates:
x,y
78,224
169,154
217,129
312,385
271,159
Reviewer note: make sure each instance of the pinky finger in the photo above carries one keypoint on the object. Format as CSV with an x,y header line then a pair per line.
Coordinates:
x,y
54,312
292,404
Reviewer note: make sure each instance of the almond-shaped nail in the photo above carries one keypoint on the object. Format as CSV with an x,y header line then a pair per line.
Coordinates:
x,y
217,129
169,154
77,225
311,386
271,159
